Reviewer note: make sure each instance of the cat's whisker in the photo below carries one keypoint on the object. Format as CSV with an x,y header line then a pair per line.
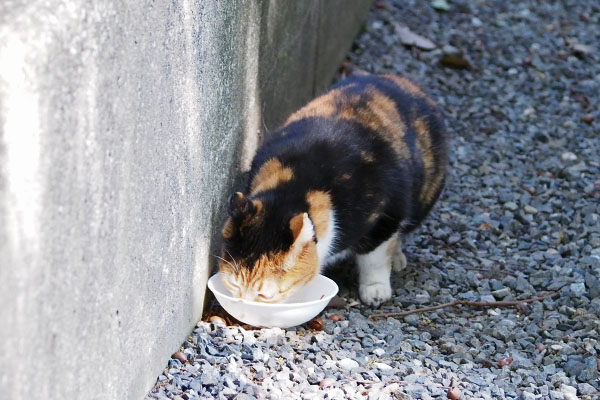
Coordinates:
x,y
237,267
224,260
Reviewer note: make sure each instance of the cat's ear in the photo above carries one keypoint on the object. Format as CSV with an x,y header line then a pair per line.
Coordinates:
x,y
302,229
240,206
301,253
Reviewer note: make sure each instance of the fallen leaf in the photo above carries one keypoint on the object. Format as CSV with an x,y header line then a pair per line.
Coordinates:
x,y
581,50
455,58
335,317
587,118
179,356
440,5
337,302
583,100
409,38
327,382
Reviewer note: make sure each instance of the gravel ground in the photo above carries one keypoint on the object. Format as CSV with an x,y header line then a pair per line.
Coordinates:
x,y
520,217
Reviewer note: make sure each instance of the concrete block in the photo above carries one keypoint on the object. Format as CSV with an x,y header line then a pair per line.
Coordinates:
x,y
338,21
122,126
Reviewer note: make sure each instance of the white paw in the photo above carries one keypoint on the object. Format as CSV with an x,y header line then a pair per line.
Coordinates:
x,y
399,261
375,293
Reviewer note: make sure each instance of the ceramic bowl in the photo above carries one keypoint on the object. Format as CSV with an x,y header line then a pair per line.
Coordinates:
x,y
299,308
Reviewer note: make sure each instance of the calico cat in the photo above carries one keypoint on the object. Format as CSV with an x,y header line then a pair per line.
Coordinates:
x,y
345,175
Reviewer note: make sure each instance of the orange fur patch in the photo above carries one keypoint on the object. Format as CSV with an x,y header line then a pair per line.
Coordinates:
x,y
271,174
322,106
319,207
296,224
381,116
432,181
304,270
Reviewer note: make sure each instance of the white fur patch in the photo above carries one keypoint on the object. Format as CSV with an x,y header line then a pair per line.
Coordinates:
x,y
306,235
325,243
307,232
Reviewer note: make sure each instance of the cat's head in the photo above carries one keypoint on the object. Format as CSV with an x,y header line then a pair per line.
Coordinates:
x,y
266,255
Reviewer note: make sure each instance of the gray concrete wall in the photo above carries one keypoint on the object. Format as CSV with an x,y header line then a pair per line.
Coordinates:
x,y
122,125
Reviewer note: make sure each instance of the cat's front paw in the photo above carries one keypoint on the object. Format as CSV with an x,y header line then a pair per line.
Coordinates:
x,y
375,293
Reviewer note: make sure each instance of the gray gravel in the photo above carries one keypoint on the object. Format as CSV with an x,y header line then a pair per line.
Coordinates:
x,y
520,216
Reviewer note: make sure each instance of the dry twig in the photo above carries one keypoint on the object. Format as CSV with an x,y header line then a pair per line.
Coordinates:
x,y
466,303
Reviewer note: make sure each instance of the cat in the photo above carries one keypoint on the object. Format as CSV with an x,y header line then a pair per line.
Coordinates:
x,y
346,175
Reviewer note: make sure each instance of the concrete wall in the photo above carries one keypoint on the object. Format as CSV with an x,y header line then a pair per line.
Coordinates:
x,y
122,125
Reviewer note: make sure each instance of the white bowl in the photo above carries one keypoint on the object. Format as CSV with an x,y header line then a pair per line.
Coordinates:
x,y
299,308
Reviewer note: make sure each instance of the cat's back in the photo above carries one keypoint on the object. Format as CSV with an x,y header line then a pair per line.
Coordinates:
x,y
392,108
375,146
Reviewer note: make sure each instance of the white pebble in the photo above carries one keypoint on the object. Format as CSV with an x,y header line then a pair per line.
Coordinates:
x,y
382,366
347,363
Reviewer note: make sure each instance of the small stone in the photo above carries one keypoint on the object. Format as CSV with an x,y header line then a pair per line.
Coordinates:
x,y
530,209
540,347
569,392
412,319
382,366
501,293
568,156
440,5
578,289
585,389
511,206
527,396
196,385
378,352
348,364
589,371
